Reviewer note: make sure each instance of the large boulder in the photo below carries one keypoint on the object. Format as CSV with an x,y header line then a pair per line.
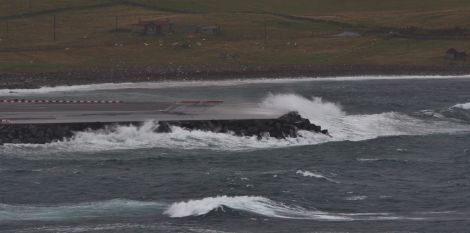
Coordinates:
x,y
286,126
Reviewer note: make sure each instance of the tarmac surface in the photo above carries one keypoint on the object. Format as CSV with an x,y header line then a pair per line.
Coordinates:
x,y
63,111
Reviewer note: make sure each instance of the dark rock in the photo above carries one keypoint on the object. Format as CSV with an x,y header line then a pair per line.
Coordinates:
x,y
163,127
283,127
286,126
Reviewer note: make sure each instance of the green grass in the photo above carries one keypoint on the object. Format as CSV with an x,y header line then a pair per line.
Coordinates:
x,y
85,37
303,6
21,67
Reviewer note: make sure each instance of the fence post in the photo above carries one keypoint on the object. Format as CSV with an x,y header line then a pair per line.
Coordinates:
x,y
7,31
265,32
54,28
116,25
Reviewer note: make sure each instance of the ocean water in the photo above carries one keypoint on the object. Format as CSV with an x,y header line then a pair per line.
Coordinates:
x,y
398,161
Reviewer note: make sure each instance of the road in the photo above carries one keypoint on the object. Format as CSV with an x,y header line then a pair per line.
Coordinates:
x,y
46,111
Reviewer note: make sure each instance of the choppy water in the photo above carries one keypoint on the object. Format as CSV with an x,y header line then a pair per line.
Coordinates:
x,y
398,161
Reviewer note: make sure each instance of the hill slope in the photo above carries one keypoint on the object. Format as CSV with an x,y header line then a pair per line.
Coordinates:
x,y
265,32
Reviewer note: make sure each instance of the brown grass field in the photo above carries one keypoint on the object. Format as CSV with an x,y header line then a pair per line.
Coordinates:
x,y
257,32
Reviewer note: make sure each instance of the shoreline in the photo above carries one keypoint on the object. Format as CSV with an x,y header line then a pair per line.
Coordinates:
x,y
32,80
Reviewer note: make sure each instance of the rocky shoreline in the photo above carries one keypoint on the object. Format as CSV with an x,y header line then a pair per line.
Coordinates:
x,y
286,126
26,80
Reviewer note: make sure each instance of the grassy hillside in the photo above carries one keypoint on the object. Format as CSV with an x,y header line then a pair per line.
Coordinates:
x,y
253,32
304,6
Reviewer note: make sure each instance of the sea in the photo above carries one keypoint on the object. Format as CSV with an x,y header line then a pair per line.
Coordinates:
x,y
398,160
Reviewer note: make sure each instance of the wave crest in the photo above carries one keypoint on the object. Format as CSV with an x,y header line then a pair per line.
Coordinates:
x,y
343,126
465,106
268,208
252,204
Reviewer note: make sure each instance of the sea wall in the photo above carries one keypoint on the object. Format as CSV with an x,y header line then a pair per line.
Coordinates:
x,y
283,127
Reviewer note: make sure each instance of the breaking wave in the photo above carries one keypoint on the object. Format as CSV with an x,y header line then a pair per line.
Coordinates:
x,y
252,204
465,106
141,137
256,205
342,126
458,112
268,208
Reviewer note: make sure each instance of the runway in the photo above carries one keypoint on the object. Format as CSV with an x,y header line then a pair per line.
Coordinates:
x,y
23,111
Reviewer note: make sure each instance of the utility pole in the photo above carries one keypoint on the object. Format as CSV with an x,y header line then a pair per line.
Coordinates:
x,y
54,28
116,25
265,31
7,31
29,4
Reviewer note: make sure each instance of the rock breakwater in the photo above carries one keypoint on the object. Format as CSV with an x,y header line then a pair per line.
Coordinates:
x,y
286,126
283,127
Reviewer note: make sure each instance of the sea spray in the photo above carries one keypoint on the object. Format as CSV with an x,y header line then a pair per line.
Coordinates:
x,y
465,106
266,207
341,126
257,205
252,204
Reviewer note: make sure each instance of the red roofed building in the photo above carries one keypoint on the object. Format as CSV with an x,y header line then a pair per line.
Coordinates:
x,y
455,54
154,27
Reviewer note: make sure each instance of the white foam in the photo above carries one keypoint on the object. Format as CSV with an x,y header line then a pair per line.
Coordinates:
x,y
269,208
129,208
368,159
253,204
356,198
315,175
230,82
342,126
465,106
133,137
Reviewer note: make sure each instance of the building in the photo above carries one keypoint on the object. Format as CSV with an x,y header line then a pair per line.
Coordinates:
x,y
209,30
200,29
154,27
455,54
191,29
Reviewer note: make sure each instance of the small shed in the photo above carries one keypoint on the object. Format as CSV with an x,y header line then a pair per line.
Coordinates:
x,y
209,30
154,27
456,54
191,29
